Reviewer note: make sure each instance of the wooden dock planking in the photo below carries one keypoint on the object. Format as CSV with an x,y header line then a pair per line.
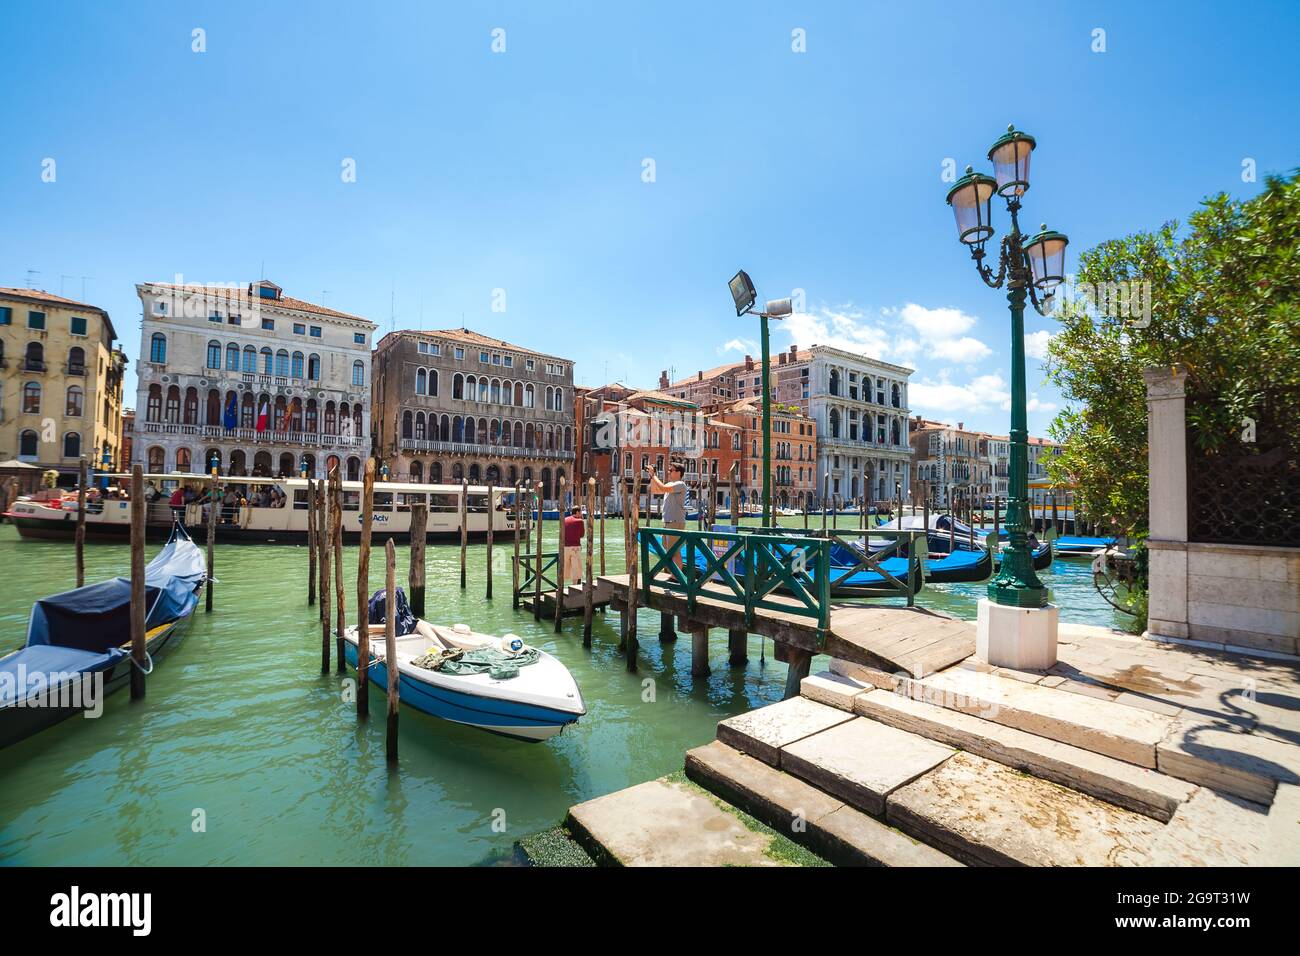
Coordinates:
x,y
913,639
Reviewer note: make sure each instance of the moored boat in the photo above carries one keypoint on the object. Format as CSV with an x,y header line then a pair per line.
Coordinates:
x,y
79,642
500,685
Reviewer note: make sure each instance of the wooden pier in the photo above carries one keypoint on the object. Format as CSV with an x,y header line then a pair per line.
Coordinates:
x,y
890,639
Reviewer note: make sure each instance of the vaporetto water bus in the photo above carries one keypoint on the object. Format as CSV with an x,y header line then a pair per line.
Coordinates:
x,y
244,517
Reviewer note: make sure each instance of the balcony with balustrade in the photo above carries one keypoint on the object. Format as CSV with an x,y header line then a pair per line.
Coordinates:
x,y
251,436
422,446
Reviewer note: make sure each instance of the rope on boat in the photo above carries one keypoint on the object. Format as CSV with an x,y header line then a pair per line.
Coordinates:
x,y
146,657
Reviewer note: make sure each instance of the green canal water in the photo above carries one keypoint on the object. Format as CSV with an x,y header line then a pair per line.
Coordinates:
x,y
240,730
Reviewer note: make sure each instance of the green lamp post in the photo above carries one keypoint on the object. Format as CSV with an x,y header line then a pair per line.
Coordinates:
x,y
1030,267
744,296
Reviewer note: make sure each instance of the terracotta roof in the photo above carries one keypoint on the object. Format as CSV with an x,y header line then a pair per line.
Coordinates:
x,y
656,396
40,295
710,373
246,299
470,337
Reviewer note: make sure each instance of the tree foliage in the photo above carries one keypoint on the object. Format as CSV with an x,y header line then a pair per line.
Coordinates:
x,y
1224,302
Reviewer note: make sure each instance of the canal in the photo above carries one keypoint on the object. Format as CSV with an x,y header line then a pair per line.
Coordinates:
x,y
242,753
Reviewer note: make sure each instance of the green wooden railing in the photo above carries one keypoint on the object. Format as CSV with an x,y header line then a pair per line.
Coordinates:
x,y
528,573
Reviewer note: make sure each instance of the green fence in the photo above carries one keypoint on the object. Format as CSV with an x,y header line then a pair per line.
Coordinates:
x,y
529,571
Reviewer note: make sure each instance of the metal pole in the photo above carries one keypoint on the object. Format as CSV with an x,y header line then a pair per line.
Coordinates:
x,y
767,426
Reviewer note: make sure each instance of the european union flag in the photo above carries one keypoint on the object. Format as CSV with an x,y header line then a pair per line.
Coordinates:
x,y
231,418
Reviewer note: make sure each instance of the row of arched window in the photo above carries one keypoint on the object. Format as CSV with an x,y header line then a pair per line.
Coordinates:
x,y
34,358
264,464
73,404
286,414
249,359
885,433
29,444
475,388
485,431
280,363
476,474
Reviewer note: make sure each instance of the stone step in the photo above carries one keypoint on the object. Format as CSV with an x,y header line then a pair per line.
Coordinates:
x,y
668,822
1135,788
1101,726
835,831
1224,758
984,813
763,732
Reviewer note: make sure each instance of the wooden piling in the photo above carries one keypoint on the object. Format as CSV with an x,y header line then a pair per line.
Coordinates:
x,y
537,568
633,576
214,509
514,564
311,541
336,545
139,655
81,522
322,553
798,663
734,510
589,591
491,520
415,575
826,484
363,591
464,527
600,496
925,520
997,499
700,651
559,564
1056,518
390,647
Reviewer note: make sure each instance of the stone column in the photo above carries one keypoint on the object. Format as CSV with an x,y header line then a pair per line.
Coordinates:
x,y
1167,500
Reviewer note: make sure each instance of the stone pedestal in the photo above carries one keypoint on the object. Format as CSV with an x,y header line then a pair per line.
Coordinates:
x,y
1017,637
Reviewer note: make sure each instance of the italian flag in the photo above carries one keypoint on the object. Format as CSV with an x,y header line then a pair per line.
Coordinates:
x,y
263,417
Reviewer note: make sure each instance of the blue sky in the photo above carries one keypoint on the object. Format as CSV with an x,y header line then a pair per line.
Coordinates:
x,y
524,170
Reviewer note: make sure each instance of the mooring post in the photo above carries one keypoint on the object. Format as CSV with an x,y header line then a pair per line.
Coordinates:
x,y
390,647
600,495
588,607
336,542
81,522
633,577
322,551
464,527
734,509
826,484
213,507
699,651
514,566
738,646
1056,518
311,541
363,591
491,521
139,654
798,663
996,517
415,574
559,564
537,568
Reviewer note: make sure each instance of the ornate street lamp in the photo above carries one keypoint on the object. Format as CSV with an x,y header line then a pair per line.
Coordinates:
x,y
744,296
1033,266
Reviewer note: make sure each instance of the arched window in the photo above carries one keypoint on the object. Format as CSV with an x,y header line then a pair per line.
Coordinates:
x,y
28,444
356,421
835,421
568,438
894,431
313,367
313,416
215,411
505,433
172,412
191,406
232,357
519,393
268,363
35,357
153,407
354,469
835,382
482,389
76,360
183,460
457,472
32,398
435,473
421,381
282,363
297,365
158,349
530,437
474,474
507,393
214,354
419,426
417,471
358,374
406,424
496,392
444,429
250,359
433,381
458,386
519,434
331,421
559,399
550,398
469,430
471,388
529,396
895,396
156,460
247,411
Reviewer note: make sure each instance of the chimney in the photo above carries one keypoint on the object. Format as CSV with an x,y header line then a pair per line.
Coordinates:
x,y
780,358
749,363
663,379
699,376
794,353
961,426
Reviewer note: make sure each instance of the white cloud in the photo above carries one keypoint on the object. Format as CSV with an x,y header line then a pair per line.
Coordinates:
x,y
1032,404
743,346
964,351
1036,344
981,393
942,332
849,329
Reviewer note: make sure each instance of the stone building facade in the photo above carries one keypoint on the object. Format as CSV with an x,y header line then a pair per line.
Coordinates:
x,y
251,380
455,404
60,382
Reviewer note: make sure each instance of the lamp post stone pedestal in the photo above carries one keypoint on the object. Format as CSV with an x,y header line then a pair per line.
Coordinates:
x,y
1022,638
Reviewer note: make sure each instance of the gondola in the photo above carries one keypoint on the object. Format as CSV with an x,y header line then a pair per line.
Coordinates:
x,y
1044,554
79,642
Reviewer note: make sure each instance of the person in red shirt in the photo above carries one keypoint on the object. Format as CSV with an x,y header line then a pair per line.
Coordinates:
x,y
574,528
177,501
